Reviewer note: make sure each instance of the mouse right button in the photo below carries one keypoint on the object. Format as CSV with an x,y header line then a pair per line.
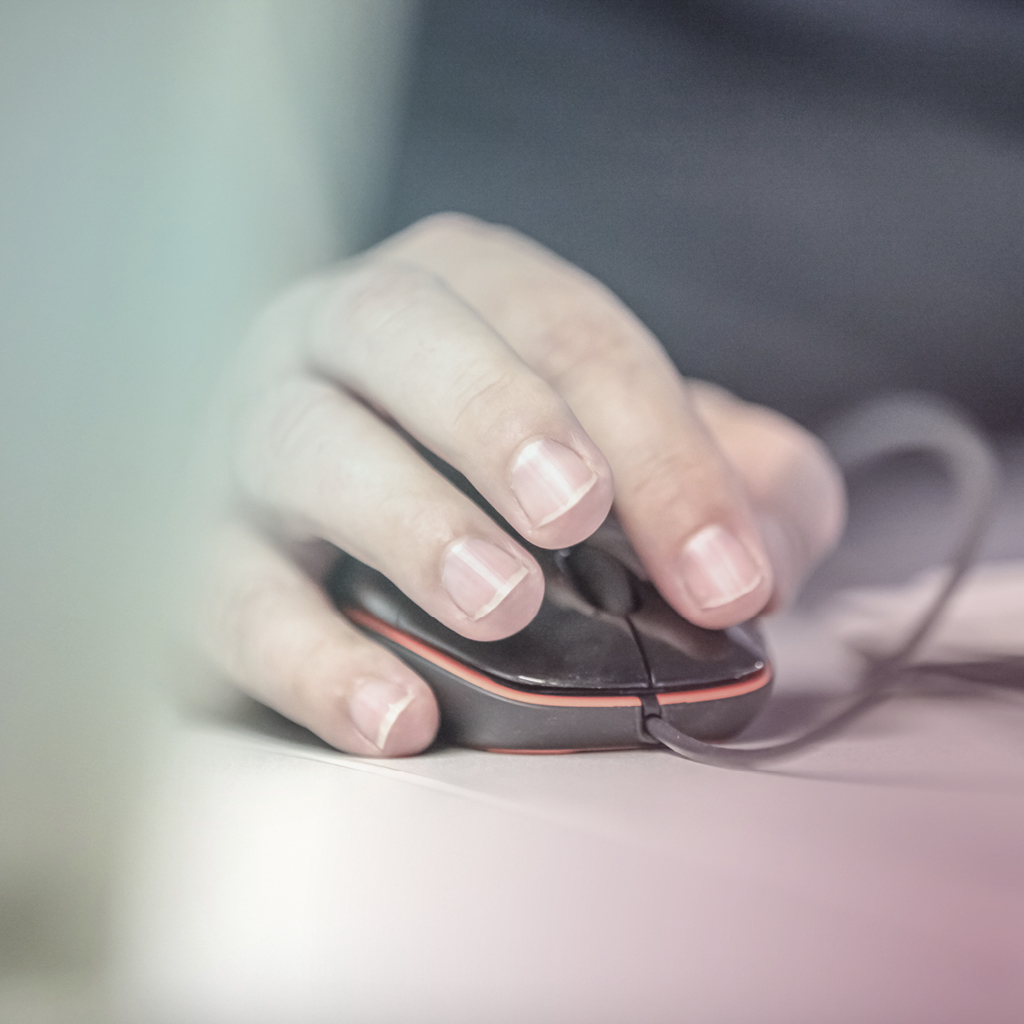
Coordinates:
x,y
681,655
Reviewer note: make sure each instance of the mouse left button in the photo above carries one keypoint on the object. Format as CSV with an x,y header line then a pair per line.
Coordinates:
x,y
355,586
602,580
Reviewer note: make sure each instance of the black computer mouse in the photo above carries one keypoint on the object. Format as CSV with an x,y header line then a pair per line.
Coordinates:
x,y
604,653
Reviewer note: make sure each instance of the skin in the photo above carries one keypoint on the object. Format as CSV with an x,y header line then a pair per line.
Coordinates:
x,y
534,381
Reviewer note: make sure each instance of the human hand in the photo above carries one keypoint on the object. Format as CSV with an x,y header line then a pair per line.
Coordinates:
x,y
537,384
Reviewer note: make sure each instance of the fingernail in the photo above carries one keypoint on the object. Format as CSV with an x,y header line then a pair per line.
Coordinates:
x,y
479,575
717,568
376,706
548,479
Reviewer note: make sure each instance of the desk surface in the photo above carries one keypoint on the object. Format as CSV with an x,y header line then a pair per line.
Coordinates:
x,y
878,878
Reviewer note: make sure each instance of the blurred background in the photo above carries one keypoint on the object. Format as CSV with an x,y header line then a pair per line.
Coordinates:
x,y
165,167
808,203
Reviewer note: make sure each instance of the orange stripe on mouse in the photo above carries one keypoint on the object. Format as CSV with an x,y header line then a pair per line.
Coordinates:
x,y
449,664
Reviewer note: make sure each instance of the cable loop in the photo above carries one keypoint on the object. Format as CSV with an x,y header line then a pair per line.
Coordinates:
x,y
880,429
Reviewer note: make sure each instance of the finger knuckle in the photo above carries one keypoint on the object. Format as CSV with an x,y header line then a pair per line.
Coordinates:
x,y
450,227
480,392
676,478
583,340
365,302
286,422
462,234
322,670
499,407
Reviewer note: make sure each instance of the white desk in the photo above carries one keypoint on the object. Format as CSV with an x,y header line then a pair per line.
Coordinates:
x,y
879,878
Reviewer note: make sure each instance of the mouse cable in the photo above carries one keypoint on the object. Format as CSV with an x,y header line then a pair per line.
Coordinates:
x,y
899,424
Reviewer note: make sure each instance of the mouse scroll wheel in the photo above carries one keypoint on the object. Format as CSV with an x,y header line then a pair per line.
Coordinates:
x,y
602,580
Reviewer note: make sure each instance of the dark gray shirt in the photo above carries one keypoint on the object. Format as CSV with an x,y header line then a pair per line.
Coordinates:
x,y
808,202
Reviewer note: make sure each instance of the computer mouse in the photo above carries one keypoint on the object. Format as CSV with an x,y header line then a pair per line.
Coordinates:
x,y
604,653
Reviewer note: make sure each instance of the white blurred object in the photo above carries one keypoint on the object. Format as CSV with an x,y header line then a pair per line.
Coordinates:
x,y
165,167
